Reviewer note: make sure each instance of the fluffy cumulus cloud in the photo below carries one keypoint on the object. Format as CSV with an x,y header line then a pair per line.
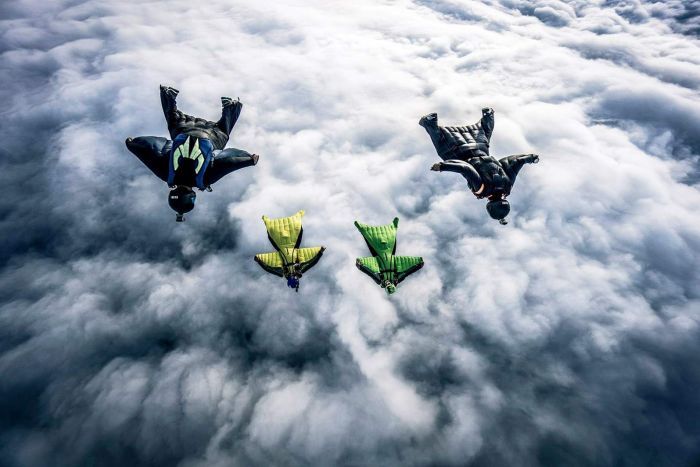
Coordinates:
x,y
569,337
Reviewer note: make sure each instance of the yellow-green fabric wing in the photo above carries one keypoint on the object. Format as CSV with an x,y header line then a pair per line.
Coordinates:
x,y
370,266
407,265
308,257
271,262
289,261
285,234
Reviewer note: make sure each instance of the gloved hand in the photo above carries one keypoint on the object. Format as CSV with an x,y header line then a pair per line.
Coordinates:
x,y
486,111
534,158
437,167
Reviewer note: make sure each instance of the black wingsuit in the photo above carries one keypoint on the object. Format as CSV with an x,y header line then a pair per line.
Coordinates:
x,y
465,150
155,152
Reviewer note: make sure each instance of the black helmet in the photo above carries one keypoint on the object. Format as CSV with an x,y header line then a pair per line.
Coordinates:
x,y
181,200
498,209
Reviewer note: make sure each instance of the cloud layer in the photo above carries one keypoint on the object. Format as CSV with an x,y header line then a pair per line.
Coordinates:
x,y
569,337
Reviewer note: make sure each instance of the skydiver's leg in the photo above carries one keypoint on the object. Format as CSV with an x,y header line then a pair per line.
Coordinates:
x,y
168,96
487,121
430,123
464,168
153,152
227,161
230,111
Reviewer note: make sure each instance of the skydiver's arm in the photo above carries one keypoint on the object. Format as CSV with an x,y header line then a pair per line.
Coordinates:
x,y
513,164
487,121
369,266
227,161
465,168
153,151
406,265
230,111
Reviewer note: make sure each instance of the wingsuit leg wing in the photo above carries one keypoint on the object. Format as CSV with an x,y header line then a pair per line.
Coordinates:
x,y
230,111
379,237
460,142
285,232
227,161
153,152
488,121
168,98
430,123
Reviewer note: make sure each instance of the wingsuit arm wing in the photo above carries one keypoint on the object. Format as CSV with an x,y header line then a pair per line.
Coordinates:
x,y
512,164
407,265
271,262
153,151
370,266
308,257
227,161
465,168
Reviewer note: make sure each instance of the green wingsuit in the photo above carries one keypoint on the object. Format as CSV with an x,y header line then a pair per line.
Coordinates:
x,y
383,266
289,261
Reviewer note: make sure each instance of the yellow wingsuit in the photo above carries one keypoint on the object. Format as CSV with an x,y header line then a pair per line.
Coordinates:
x,y
289,261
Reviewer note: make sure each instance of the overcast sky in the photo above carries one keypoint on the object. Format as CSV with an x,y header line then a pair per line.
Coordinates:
x,y
570,336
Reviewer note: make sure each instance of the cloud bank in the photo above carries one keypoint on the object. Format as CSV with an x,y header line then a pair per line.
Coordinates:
x,y
569,337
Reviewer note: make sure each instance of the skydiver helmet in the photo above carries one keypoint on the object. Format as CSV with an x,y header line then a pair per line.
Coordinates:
x,y
181,200
498,209
390,287
293,282
293,278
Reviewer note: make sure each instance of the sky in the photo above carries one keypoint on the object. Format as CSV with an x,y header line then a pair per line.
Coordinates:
x,y
568,337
